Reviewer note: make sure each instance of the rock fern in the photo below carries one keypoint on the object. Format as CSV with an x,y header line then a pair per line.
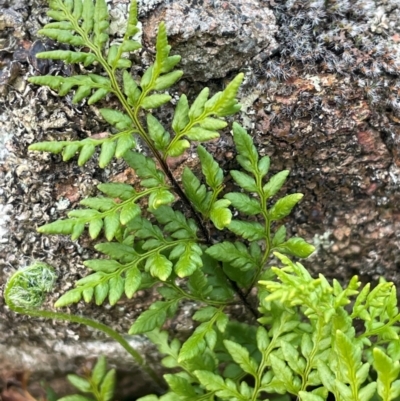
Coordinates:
x,y
301,340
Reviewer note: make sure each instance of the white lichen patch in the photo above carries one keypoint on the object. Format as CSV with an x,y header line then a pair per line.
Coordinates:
x,y
322,241
5,211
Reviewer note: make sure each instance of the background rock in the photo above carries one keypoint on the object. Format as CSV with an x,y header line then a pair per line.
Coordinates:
x,y
215,37
322,98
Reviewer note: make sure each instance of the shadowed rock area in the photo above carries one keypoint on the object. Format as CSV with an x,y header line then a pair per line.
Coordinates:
x,y
321,97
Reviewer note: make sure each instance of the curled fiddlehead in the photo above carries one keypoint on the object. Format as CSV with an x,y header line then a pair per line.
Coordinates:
x,y
27,288
25,293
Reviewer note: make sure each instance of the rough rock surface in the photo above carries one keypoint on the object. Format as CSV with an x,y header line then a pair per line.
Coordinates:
x,y
215,37
325,104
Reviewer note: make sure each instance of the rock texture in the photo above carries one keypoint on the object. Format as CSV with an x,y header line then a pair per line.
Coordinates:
x,y
215,37
321,97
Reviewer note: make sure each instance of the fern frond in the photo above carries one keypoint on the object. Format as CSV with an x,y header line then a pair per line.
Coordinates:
x,y
116,145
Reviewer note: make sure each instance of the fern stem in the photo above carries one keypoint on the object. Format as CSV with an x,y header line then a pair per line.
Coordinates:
x,y
98,326
268,244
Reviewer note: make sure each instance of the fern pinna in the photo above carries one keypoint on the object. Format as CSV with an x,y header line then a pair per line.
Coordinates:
x,y
302,323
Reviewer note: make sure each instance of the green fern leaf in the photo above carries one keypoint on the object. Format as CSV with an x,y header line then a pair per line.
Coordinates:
x,y
388,371
118,119
57,15
85,214
88,16
242,357
175,222
201,135
293,358
285,375
167,80
154,101
111,225
64,227
195,191
159,266
296,246
263,165
199,285
275,183
211,170
131,89
70,297
133,280
157,133
77,231
244,203
159,198
123,253
100,292
98,95
145,168
87,292
103,265
54,82
170,62
144,229
69,57
237,254
181,387
212,124
248,230
117,286
100,23
69,151
247,151
125,142
132,28
101,204
197,108
244,181
178,148
81,93
154,317
80,383
62,36
129,212
52,147
224,389
225,103
95,227
77,10
195,344
162,50
181,116
130,46
117,190
220,215
279,237
189,259
107,152
306,396
85,154
284,206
